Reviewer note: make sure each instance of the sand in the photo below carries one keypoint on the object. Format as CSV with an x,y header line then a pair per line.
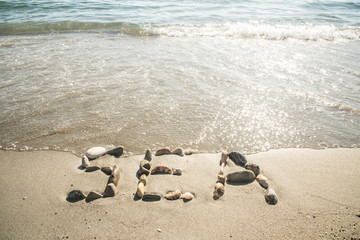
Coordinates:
x,y
318,193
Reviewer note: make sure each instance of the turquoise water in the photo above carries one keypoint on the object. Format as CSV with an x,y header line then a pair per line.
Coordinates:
x,y
206,75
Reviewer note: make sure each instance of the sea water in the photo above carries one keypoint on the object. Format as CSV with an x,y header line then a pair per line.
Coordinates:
x,y
206,75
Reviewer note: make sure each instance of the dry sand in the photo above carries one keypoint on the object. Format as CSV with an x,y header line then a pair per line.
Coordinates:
x,y
318,192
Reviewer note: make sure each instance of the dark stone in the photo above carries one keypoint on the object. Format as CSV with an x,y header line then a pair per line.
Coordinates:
x,y
238,158
271,197
110,190
151,196
75,195
253,167
148,155
244,176
116,152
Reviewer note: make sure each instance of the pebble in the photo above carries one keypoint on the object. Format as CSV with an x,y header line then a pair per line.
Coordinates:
x,y
143,179
84,161
75,195
148,155
187,196
116,152
92,168
262,180
253,167
144,167
176,171
159,230
238,158
221,179
271,197
115,175
173,195
95,152
219,190
161,170
162,151
241,177
110,190
224,156
179,151
24,198
151,196
107,170
140,190
93,195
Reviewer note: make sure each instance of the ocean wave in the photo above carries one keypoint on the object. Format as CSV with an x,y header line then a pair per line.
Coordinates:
x,y
305,32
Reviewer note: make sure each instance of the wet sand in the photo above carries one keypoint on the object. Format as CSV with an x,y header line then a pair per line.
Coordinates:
x,y
318,193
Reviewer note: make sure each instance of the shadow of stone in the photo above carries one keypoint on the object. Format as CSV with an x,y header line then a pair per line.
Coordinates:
x,y
81,167
239,183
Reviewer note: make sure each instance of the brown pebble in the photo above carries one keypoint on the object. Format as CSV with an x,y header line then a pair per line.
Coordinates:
x,y
179,151
115,175
162,151
173,195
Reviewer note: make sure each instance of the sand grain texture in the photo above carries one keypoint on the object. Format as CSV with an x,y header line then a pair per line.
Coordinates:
x,y
317,190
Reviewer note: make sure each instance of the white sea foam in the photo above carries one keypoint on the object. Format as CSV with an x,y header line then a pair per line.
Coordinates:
x,y
307,32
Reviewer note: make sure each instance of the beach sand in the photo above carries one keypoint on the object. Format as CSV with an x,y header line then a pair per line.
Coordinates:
x,y
318,193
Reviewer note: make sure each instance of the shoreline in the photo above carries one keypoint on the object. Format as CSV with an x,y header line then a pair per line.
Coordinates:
x,y
317,190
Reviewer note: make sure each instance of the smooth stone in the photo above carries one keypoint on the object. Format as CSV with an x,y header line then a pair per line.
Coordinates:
x,y
219,191
110,190
173,195
161,170
176,171
271,197
151,196
144,167
115,175
107,170
140,190
92,168
238,158
224,156
253,167
187,196
93,196
143,179
241,176
95,152
85,161
179,151
75,195
162,151
262,180
116,152
221,179
148,155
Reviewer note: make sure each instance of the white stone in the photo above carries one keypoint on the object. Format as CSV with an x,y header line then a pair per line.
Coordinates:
x,y
95,152
85,161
